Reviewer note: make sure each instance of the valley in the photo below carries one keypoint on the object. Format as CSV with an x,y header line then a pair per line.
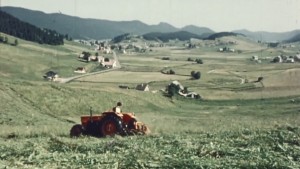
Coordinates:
x,y
239,122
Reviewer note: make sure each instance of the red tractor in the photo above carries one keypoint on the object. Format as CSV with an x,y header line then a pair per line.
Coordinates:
x,y
108,124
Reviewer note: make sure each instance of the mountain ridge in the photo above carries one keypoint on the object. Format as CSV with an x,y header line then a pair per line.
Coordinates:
x,y
77,27
268,36
89,28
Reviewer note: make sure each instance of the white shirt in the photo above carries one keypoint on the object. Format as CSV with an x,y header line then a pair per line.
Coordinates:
x,y
118,109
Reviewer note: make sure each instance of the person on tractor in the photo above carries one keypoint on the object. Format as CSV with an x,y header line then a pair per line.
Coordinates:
x,y
118,109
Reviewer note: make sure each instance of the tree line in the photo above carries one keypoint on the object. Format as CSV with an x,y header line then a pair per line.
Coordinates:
x,y
14,27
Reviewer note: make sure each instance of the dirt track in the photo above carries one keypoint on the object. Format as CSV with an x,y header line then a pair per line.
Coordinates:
x,y
69,79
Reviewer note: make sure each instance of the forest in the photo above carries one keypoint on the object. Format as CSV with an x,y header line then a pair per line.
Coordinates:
x,y
13,26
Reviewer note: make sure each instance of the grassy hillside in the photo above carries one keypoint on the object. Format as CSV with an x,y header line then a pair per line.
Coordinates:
x,y
236,125
30,61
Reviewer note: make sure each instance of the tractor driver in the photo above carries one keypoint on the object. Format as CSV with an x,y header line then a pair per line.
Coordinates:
x,y
117,109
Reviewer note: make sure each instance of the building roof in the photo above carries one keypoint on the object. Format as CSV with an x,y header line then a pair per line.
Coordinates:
x,y
51,73
142,87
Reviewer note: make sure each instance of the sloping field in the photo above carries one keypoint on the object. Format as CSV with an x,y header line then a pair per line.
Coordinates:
x,y
131,77
285,79
30,61
243,43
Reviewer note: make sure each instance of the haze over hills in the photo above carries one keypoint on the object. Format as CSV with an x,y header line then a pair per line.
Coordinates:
x,y
296,38
165,37
91,28
269,36
86,28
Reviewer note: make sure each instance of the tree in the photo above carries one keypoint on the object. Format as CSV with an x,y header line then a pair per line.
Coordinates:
x,y
190,59
171,72
16,42
199,61
173,89
276,60
196,75
185,90
106,59
96,54
13,26
86,55
192,73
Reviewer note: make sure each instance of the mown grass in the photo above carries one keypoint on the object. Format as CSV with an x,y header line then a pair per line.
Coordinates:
x,y
274,148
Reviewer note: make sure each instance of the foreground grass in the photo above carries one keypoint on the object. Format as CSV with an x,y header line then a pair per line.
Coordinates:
x,y
273,148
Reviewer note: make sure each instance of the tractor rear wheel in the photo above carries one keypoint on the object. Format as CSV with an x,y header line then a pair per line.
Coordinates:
x,y
112,125
76,130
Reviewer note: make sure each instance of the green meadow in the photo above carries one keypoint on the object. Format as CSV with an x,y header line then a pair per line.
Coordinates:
x,y
238,123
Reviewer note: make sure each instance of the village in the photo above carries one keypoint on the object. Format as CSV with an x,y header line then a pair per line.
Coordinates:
x,y
103,55
150,84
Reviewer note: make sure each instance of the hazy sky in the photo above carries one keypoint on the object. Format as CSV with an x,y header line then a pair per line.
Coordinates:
x,y
219,15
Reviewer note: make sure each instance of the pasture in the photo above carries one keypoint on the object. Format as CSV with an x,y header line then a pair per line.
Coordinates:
x,y
235,124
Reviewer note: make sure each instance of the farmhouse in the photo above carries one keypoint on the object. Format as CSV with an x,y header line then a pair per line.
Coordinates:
x,y
92,58
226,49
124,87
100,59
254,58
80,70
286,59
193,95
297,58
277,59
142,87
109,64
176,83
50,75
290,60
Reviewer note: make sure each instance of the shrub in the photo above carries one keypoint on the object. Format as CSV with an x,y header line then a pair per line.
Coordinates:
x,y
190,60
276,60
165,58
16,42
196,75
199,61
192,73
171,72
173,89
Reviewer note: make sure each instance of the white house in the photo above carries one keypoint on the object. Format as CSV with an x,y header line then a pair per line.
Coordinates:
x,y
297,58
290,60
254,58
109,64
143,87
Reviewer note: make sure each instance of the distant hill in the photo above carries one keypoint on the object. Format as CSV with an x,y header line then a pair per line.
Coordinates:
x,y
165,37
13,26
202,31
222,34
82,28
269,36
296,38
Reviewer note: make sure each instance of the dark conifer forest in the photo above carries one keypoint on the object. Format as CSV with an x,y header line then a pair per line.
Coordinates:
x,y
14,27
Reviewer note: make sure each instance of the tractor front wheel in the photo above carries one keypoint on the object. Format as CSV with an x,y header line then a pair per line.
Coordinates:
x,y
76,130
111,125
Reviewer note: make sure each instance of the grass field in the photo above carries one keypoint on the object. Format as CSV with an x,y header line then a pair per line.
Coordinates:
x,y
235,125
